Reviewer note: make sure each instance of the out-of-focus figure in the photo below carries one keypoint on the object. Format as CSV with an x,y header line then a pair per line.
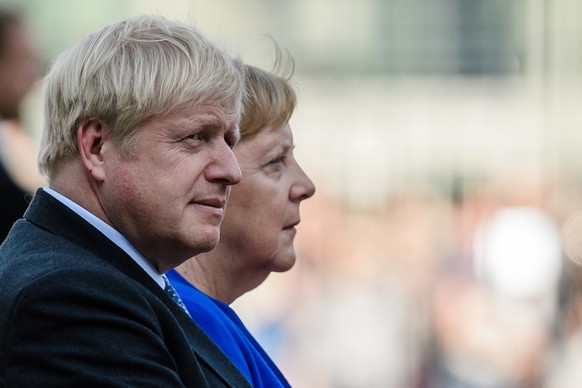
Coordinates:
x,y
18,74
564,366
495,305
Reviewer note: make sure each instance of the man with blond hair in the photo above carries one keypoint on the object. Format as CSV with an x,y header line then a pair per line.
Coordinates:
x,y
141,118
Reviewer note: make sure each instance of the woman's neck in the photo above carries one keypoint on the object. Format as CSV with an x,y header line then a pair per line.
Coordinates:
x,y
207,274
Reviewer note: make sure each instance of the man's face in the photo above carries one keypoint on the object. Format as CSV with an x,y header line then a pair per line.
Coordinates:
x,y
168,197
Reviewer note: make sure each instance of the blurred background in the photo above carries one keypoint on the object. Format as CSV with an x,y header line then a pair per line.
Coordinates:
x,y
441,247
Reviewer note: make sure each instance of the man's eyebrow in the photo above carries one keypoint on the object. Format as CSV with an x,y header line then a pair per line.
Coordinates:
x,y
214,121
205,120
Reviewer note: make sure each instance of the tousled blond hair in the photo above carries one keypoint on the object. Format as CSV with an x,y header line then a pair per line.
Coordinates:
x,y
128,72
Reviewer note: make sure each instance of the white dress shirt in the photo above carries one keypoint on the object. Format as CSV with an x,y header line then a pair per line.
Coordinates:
x,y
112,234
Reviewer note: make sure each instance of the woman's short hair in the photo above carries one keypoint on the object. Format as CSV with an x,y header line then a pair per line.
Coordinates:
x,y
270,99
127,73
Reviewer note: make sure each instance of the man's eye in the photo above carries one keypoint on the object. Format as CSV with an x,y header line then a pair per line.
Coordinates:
x,y
194,137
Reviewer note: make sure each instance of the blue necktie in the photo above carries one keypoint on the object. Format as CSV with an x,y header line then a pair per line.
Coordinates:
x,y
173,294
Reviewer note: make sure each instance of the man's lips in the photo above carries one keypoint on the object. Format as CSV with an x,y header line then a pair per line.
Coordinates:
x,y
212,202
212,205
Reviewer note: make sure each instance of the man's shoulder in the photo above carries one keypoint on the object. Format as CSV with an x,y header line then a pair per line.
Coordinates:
x,y
69,305
37,263
31,250
82,305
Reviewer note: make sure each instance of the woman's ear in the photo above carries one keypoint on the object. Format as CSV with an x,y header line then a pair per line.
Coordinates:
x,y
90,138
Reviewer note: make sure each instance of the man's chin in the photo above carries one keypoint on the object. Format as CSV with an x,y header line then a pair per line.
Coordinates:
x,y
184,250
208,243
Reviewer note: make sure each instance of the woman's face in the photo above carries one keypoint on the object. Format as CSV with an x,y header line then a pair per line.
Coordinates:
x,y
263,209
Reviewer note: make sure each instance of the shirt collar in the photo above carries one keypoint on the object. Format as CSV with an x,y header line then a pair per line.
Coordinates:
x,y
111,233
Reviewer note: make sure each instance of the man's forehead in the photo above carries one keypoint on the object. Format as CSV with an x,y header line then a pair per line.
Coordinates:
x,y
211,114
222,112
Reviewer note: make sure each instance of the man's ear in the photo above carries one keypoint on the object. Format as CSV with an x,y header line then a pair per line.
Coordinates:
x,y
90,138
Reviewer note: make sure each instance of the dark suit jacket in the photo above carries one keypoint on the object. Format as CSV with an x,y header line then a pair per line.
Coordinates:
x,y
75,310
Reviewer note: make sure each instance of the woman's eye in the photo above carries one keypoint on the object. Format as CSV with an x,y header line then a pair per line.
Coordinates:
x,y
276,165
